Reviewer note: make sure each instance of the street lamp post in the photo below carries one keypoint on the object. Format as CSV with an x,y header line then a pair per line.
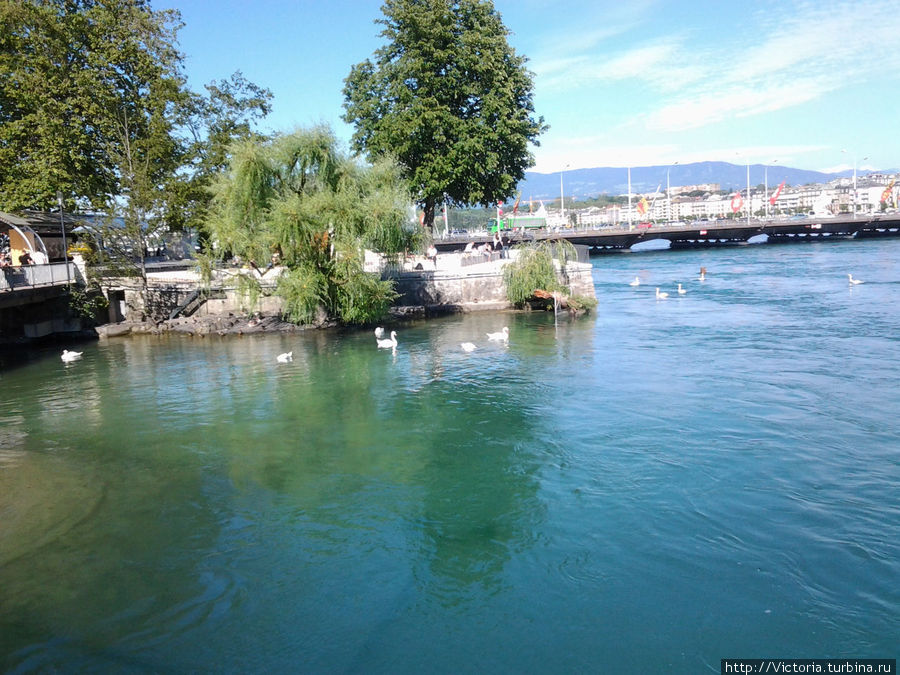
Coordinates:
x,y
62,227
669,196
562,201
629,197
854,185
749,198
766,184
854,181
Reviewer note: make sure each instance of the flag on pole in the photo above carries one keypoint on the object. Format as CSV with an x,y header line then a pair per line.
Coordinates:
x,y
888,193
642,206
516,205
775,194
736,202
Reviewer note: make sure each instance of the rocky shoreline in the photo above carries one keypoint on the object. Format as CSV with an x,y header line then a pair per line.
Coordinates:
x,y
258,324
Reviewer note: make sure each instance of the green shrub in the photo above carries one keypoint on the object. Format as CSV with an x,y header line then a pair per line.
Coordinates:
x,y
534,269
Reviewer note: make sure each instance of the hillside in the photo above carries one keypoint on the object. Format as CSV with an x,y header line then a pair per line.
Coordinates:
x,y
583,183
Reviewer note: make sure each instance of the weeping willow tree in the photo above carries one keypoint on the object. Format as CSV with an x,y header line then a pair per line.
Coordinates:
x,y
298,197
534,276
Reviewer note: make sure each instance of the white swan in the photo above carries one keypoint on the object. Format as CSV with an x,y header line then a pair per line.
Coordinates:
x,y
468,346
661,296
503,335
284,358
68,356
388,344
681,291
379,333
853,281
636,282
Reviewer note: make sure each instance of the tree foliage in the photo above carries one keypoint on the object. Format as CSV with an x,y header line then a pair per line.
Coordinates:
x,y
298,197
68,72
534,269
74,73
449,98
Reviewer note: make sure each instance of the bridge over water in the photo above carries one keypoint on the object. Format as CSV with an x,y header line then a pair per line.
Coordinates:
x,y
33,300
33,283
702,234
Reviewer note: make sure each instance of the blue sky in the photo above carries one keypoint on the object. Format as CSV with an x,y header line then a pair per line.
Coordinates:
x,y
813,85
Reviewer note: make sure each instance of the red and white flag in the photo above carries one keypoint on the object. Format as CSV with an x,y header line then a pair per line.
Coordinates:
x,y
777,192
736,202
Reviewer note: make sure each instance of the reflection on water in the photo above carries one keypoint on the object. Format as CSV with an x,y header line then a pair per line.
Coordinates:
x,y
673,481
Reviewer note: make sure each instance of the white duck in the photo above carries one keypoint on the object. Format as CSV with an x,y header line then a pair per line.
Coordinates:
x,y
388,344
468,346
636,282
379,333
681,291
68,356
853,281
285,358
661,296
502,335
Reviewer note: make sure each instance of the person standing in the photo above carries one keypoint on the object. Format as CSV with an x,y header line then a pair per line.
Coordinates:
x,y
498,243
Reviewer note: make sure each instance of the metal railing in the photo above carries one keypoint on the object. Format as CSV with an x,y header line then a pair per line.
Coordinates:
x,y
33,276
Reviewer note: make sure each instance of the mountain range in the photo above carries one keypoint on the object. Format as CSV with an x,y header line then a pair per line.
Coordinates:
x,y
585,183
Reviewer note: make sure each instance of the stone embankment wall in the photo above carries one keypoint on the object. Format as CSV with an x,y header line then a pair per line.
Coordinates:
x,y
478,287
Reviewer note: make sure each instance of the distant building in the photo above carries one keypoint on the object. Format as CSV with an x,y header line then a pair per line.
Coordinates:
x,y
706,187
835,197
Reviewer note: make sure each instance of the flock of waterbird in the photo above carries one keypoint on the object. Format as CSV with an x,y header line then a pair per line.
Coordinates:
x,y
500,336
391,342
662,295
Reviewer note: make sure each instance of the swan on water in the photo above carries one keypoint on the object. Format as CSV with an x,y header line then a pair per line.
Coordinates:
x,y
681,291
468,346
636,282
390,343
379,332
284,358
68,356
502,335
854,281
661,296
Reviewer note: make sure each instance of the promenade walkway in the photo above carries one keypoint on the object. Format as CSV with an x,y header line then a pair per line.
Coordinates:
x,y
33,276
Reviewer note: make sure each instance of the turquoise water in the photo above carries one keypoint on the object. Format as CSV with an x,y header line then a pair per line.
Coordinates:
x,y
654,488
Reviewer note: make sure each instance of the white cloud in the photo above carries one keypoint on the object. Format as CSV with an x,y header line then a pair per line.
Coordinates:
x,y
736,101
802,53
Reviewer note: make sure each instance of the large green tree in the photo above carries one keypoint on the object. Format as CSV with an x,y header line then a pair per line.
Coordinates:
x,y
75,75
297,196
70,72
449,98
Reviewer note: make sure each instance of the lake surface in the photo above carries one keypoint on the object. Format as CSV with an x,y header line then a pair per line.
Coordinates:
x,y
654,488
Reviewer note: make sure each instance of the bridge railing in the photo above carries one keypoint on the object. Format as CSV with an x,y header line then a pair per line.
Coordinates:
x,y
32,276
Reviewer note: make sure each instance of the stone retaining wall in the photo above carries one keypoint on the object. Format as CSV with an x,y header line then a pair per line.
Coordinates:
x,y
476,287
460,288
